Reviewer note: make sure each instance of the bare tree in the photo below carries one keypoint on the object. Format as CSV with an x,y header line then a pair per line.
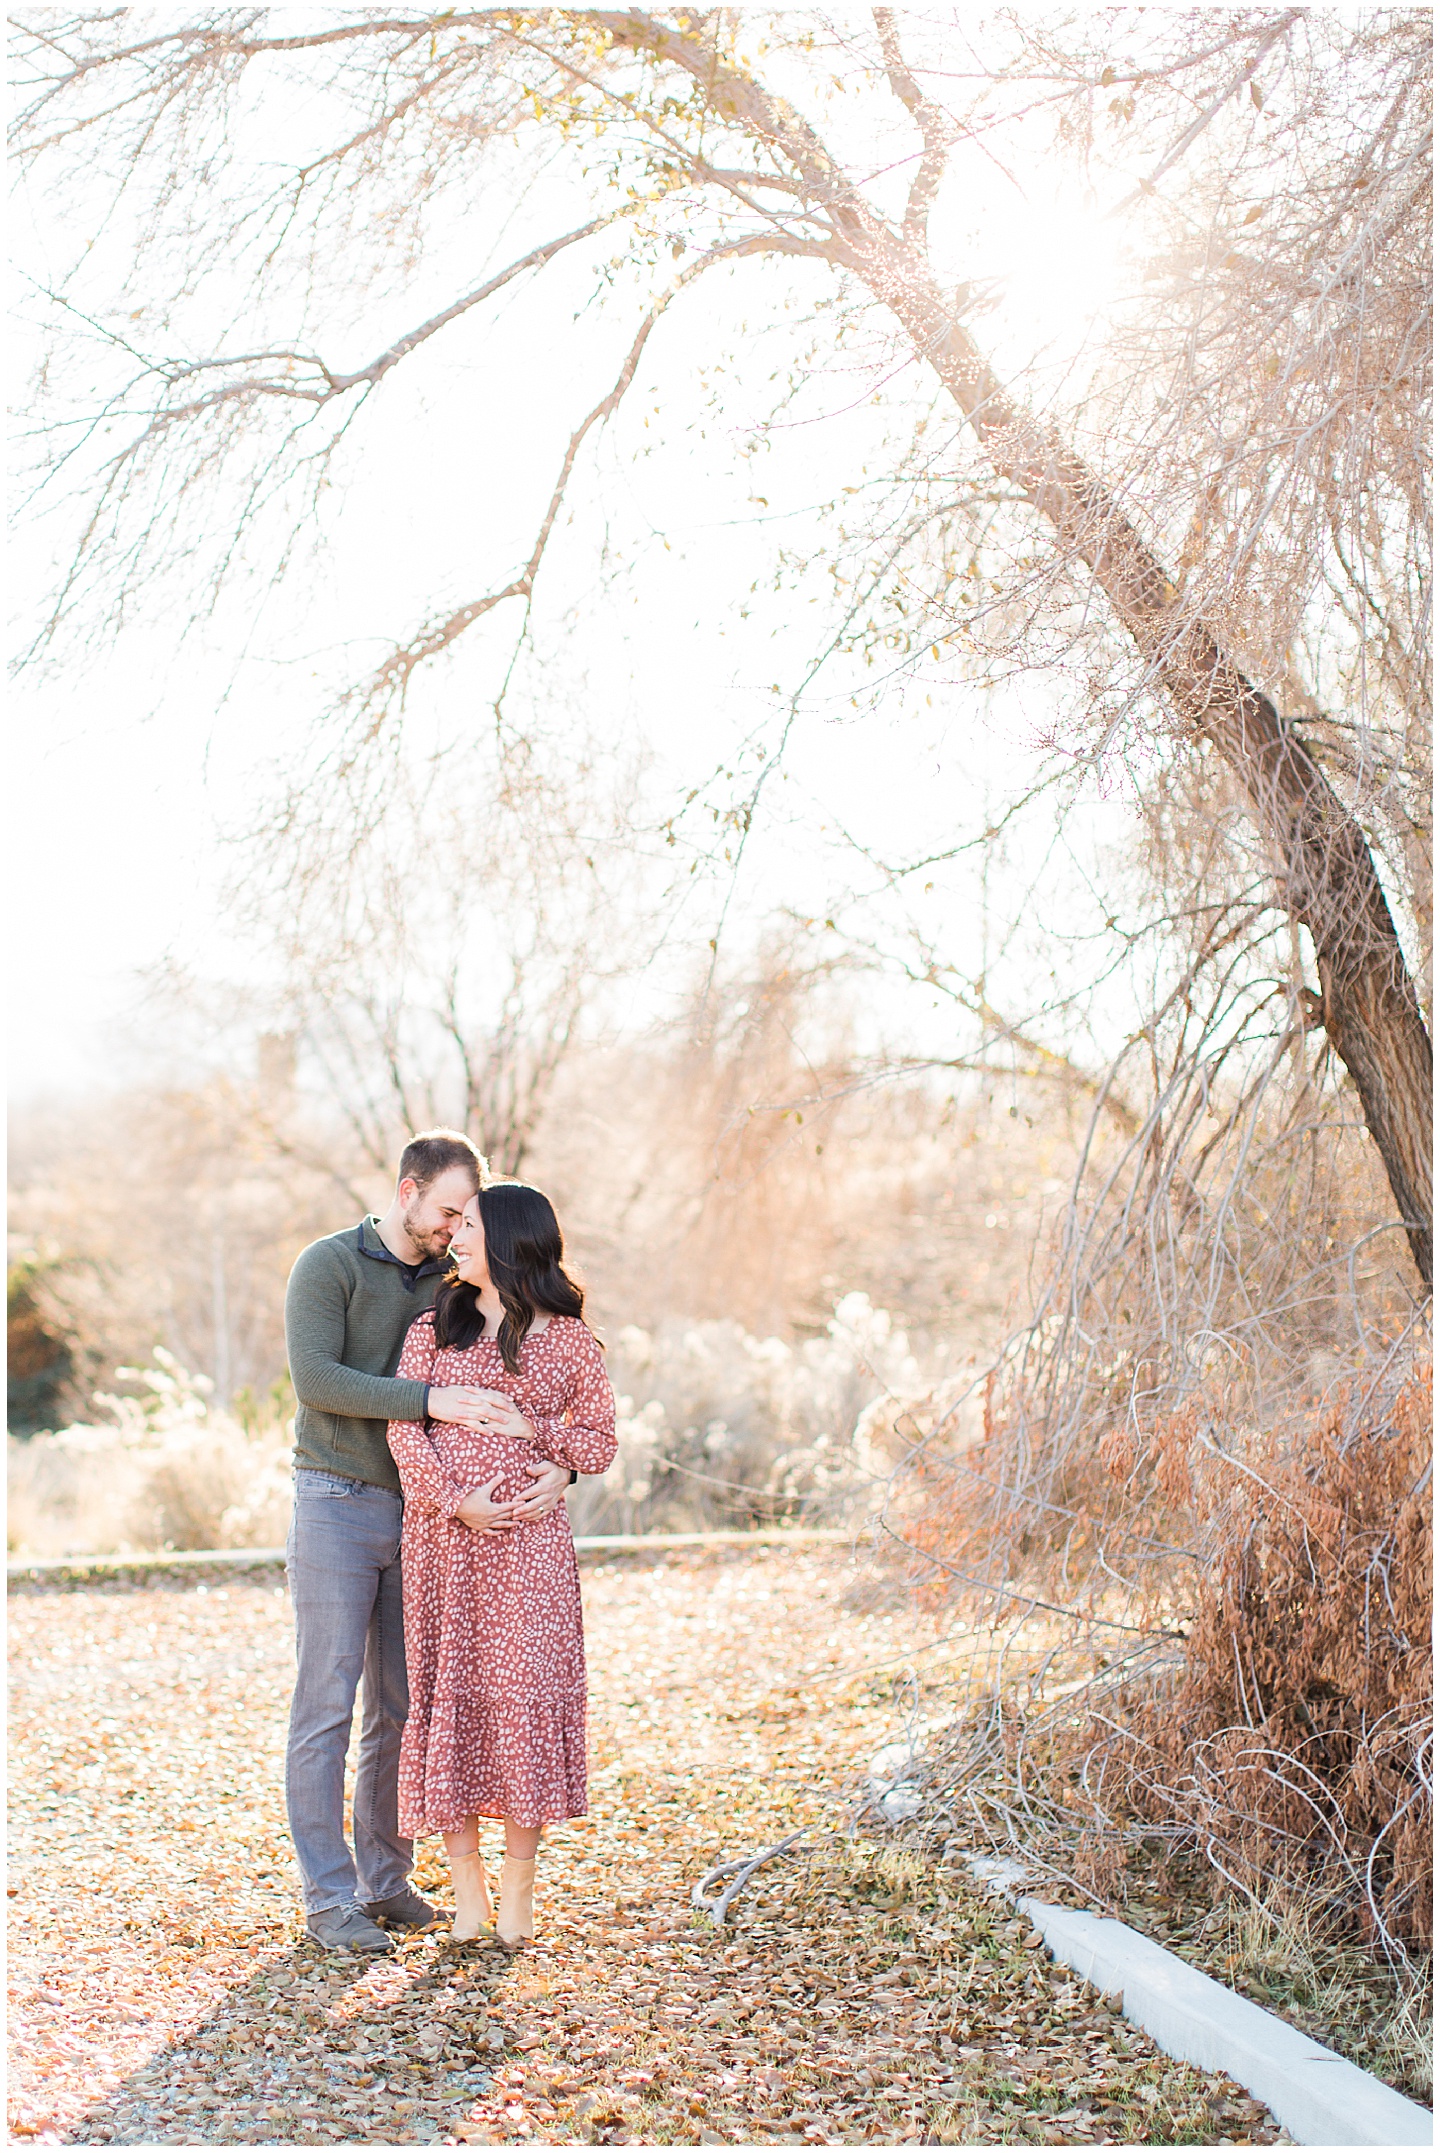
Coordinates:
x,y
439,965
1239,465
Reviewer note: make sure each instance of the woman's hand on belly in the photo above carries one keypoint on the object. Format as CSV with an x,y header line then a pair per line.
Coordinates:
x,y
547,1490
500,1415
482,1514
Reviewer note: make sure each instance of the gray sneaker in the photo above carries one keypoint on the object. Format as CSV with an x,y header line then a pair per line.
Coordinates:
x,y
346,1928
407,1910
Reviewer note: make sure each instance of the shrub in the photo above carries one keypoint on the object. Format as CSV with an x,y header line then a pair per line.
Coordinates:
x,y
1294,1739
1242,1714
716,1428
720,1428
164,1470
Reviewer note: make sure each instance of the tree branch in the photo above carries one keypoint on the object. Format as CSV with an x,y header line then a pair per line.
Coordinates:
x,y
394,675
338,384
535,259
1198,125
938,130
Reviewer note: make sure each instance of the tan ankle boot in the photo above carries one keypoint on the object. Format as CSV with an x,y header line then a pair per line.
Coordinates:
x,y
515,1922
474,1915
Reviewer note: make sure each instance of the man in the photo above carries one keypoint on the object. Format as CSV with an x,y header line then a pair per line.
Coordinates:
x,y
350,1300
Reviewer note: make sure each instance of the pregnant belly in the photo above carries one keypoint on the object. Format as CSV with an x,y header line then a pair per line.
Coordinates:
x,y
474,1460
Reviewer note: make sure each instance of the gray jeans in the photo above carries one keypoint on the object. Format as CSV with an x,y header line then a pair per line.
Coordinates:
x,y
343,1559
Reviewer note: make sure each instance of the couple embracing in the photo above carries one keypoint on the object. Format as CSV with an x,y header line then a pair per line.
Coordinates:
x,y
449,1392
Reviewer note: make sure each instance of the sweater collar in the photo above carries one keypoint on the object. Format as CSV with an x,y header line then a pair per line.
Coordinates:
x,y
369,1243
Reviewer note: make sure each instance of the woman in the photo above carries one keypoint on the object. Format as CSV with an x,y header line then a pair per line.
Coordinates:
x,y
493,1638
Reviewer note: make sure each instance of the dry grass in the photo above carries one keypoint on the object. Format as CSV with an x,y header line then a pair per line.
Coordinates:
x,y
1273,1951
1296,1741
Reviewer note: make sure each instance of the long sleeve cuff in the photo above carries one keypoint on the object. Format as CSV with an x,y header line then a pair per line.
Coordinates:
x,y
328,1387
579,1449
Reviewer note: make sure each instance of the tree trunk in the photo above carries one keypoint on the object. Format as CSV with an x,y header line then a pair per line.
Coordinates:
x,y
1328,879
1371,1011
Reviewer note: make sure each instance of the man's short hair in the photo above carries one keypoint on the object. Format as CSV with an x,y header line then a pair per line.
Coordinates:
x,y
435,1151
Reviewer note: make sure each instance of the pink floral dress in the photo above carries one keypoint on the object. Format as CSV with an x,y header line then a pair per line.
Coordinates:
x,y
494,1644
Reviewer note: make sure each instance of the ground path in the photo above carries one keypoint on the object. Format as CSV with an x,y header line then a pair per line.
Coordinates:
x,y
162,1990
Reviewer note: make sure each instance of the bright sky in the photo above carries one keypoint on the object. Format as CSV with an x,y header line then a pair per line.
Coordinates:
x,y
133,772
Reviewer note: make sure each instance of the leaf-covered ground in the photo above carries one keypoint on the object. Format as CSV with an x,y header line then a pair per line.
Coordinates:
x,y
163,1990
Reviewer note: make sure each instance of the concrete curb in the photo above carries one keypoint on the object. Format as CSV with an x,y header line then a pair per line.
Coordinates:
x,y
79,1567
57,1568
638,1543
1318,2097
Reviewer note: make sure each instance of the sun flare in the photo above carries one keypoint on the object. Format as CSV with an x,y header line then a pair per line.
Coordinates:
x,y
1058,265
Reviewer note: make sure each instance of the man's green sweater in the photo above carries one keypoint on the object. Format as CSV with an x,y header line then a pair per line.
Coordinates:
x,y
348,1306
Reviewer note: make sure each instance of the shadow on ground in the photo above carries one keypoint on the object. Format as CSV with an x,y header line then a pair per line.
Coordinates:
x,y
316,2048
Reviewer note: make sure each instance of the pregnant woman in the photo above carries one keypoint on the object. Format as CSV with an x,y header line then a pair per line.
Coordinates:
x,y
493,1636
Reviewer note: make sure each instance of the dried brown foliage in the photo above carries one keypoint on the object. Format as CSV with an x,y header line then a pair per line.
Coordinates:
x,y
1246,1714
1298,1733
854,1998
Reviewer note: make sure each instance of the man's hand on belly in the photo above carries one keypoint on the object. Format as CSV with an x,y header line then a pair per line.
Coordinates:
x,y
460,1405
551,1481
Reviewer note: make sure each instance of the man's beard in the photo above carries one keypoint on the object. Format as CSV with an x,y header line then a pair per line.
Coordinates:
x,y
433,1243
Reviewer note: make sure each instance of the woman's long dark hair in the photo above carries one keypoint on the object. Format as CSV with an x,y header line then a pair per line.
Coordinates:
x,y
525,1256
